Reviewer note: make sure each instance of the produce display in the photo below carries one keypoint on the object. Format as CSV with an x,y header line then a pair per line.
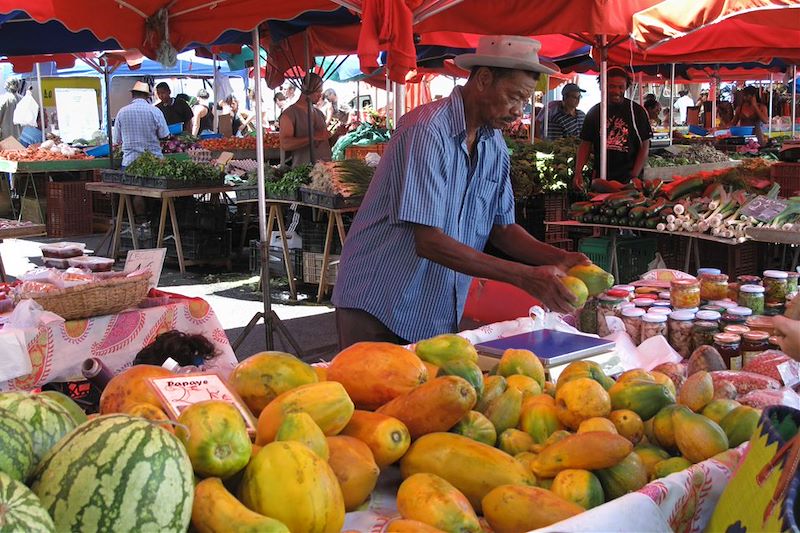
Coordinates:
x,y
148,165
348,178
692,154
177,144
545,166
47,151
289,182
271,140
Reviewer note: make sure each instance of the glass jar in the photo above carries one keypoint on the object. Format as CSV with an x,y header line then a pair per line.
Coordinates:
x,y
791,282
630,289
660,310
680,326
662,303
664,295
729,347
775,285
685,293
716,308
705,271
587,319
774,309
748,280
643,303
752,296
725,304
607,306
753,343
713,287
732,319
632,318
773,343
703,334
708,316
652,325
736,329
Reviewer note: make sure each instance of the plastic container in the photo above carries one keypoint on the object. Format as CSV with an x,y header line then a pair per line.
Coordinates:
x,y
632,318
93,263
55,262
99,151
680,326
741,131
703,334
175,129
752,296
776,284
652,325
685,293
713,286
729,347
753,343
63,250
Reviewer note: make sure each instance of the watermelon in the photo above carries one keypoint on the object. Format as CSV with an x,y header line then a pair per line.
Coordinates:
x,y
117,473
49,420
17,445
78,415
20,509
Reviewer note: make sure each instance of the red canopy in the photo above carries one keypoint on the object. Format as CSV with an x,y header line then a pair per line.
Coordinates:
x,y
27,63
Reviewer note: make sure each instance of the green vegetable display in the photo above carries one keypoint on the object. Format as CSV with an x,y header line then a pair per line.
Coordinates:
x,y
545,166
289,182
148,165
691,155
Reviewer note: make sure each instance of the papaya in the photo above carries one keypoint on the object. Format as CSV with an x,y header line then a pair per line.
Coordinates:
x,y
580,487
698,437
550,389
697,391
523,362
354,466
628,475
554,437
446,347
150,412
430,499
327,403
386,436
665,380
402,525
493,386
584,369
433,370
597,423
580,399
504,411
526,458
130,386
215,509
718,408
539,420
465,369
513,441
628,424
260,378
471,467
543,398
650,455
645,398
577,288
595,278
546,483
526,385
516,509
670,466
300,427
477,427
374,373
586,451
664,429
740,424
321,372
636,373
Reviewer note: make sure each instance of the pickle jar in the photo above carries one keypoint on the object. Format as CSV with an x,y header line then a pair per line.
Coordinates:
x,y
707,271
587,318
654,324
708,316
662,303
724,304
736,329
753,343
711,307
713,287
752,296
632,318
607,306
685,293
774,309
791,282
680,326
664,295
773,343
729,347
660,310
643,303
703,334
735,316
748,280
775,284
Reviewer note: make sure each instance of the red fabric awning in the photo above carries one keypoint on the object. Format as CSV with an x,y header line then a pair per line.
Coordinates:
x,y
63,61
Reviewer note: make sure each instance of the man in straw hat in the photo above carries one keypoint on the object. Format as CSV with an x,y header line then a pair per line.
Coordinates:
x,y
139,126
442,192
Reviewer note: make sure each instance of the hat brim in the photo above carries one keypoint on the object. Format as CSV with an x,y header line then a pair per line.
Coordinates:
x,y
467,61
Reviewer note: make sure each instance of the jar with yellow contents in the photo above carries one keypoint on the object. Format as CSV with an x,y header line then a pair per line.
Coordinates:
x,y
684,293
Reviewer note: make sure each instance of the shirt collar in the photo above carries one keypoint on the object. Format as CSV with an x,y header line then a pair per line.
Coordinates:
x,y
458,122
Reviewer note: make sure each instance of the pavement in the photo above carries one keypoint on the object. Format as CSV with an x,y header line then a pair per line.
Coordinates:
x,y
234,296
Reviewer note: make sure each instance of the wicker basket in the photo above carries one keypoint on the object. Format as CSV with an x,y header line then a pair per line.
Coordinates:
x,y
94,299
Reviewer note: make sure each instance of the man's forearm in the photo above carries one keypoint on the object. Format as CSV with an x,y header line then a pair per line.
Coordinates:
x,y
514,241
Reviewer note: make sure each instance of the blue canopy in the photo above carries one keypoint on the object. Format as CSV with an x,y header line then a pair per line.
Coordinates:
x,y
155,69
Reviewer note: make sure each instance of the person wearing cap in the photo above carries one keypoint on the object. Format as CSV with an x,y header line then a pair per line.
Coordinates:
x,y
203,116
628,134
566,119
176,111
139,126
294,134
8,103
440,193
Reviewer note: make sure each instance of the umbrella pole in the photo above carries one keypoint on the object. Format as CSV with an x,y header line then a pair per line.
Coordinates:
x,y
603,107
794,98
41,98
545,108
532,135
109,131
358,100
769,126
671,101
714,95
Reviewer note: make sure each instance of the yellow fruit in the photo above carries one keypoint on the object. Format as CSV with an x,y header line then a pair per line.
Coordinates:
x,y
516,509
504,411
650,456
402,525
717,409
539,420
584,369
578,288
215,509
663,427
352,462
594,278
260,378
697,391
522,362
526,458
526,385
477,427
628,424
513,441
432,500
386,436
626,476
580,487
664,380
580,399
446,347
493,386
635,374
586,451
300,427
597,423
543,398
697,437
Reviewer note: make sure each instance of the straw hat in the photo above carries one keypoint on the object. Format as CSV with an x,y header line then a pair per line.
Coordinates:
x,y
506,51
141,87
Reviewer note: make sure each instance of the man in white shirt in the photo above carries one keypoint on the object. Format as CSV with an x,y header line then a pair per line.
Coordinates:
x,y
681,104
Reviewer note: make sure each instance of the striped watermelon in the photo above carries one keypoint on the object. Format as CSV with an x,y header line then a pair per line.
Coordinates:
x,y
20,509
16,460
49,420
117,473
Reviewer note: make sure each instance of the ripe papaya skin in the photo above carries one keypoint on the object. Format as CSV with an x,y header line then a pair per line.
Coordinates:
x,y
403,525
740,424
430,499
539,421
580,487
628,475
215,509
595,278
697,437
386,436
640,396
476,427
584,451
515,508
446,347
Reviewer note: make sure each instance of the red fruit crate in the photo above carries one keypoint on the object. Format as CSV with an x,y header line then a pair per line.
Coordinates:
x,y
69,209
787,175
360,152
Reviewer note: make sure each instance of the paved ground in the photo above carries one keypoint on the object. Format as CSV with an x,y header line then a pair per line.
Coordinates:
x,y
234,297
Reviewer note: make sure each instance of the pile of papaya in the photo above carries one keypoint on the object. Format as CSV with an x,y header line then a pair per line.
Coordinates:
x,y
509,449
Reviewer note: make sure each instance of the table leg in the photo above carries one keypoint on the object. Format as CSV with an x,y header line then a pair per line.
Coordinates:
x,y
131,221
248,208
340,226
118,227
323,276
176,233
162,222
286,254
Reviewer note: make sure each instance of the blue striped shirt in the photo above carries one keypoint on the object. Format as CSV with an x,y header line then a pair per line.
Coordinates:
x,y
425,177
138,127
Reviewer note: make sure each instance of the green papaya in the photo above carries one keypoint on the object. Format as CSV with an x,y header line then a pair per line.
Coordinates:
x,y
504,410
585,369
670,466
626,476
740,424
650,456
477,427
645,398
513,441
464,369
539,421
447,347
493,386
595,278
698,438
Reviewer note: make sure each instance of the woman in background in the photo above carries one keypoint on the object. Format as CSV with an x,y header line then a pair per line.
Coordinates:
x,y
751,112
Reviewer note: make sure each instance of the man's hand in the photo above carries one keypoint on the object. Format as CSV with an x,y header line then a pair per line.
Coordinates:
x,y
571,259
788,333
544,283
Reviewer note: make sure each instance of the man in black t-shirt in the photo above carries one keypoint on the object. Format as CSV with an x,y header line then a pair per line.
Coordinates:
x,y
176,111
628,134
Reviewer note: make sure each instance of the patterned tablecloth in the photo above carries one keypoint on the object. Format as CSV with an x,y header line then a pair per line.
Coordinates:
x,y
58,349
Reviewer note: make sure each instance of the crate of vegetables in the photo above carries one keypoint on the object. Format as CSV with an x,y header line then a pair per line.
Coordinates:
x,y
329,200
338,184
112,176
150,171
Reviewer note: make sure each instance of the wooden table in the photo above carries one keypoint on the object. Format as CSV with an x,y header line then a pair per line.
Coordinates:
x,y
335,221
11,229
125,193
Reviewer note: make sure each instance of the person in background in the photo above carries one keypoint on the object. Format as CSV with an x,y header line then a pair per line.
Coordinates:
x,y
294,134
280,103
139,126
681,104
724,114
176,111
203,118
8,103
185,97
242,122
291,95
628,134
442,191
653,109
566,120
751,112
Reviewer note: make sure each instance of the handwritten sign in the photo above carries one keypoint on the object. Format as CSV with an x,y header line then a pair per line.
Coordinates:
x,y
180,391
150,259
764,209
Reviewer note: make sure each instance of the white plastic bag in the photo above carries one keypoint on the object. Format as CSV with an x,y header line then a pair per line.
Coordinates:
x,y
26,111
29,314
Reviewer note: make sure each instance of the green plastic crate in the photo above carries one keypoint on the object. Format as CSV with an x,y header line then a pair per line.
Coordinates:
x,y
598,250
633,254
